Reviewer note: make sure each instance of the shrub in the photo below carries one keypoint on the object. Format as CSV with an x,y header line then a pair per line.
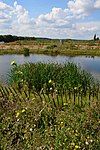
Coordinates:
x,y
26,52
51,46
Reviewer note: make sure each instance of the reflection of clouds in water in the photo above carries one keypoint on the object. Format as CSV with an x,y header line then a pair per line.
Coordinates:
x,y
89,64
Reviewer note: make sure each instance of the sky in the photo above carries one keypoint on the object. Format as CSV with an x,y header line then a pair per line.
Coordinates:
x,y
78,19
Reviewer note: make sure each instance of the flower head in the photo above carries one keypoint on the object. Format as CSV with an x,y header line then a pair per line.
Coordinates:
x,y
50,81
31,129
13,63
17,114
23,110
76,146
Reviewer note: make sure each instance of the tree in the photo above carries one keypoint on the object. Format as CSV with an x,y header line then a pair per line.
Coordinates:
x,y
94,37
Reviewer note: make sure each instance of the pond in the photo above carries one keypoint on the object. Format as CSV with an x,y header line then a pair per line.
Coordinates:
x,y
90,64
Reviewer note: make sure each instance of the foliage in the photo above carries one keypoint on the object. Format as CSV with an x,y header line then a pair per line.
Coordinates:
x,y
51,46
37,76
34,123
10,38
26,52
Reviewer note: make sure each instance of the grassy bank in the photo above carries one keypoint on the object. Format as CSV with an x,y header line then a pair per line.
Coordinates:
x,y
53,47
32,121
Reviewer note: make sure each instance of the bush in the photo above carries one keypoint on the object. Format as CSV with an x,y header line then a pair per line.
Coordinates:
x,y
26,52
51,46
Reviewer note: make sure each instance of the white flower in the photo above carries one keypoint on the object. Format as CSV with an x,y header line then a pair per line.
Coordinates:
x,y
30,129
86,143
91,141
51,88
13,63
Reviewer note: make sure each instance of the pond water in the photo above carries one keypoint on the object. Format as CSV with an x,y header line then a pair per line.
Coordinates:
x,y
90,64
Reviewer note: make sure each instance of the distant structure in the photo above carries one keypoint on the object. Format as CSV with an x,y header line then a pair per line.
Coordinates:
x,y
96,38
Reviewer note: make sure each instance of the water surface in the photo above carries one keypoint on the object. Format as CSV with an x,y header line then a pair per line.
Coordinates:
x,y
90,64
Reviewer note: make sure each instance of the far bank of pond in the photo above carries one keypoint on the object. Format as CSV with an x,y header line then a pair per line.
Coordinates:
x,y
90,64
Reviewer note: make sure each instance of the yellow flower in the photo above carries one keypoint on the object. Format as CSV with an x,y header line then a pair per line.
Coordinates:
x,y
23,110
17,114
76,146
50,81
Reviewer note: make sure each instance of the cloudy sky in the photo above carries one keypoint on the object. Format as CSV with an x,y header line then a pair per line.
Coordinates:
x,y
78,19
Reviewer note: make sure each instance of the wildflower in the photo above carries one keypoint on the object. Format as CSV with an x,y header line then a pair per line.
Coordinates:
x,y
23,110
65,104
50,81
17,114
86,143
76,146
13,63
50,88
72,144
19,72
30,129
91,140
75,88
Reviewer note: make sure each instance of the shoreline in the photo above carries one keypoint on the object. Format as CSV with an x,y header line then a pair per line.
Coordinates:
x,y
54,52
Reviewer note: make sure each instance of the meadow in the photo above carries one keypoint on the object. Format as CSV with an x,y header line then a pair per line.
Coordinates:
x,y
50,107
52,47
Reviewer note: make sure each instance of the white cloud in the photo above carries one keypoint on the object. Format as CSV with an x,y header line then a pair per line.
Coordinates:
x,y
81,8
4,6
58,23
56,18
21,13
97,4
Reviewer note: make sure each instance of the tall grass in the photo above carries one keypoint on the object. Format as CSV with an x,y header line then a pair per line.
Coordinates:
x,y
51,76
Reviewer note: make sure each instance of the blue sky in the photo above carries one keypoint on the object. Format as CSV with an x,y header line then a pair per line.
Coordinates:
x,y
36,7
78,19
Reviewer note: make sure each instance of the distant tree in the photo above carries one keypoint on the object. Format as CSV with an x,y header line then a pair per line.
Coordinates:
x,y
94,37
97,38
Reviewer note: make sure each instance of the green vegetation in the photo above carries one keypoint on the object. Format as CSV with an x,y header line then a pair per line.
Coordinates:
x,y
50,106
11,38
53,47
33,121
45,76
26,52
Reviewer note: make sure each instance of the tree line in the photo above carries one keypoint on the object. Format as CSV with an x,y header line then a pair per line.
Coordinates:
x,y
11,38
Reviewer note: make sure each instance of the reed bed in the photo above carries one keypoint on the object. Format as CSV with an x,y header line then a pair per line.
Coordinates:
x,y
52,76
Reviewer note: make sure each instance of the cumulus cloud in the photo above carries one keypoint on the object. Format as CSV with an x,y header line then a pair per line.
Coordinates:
x,y
97,4
81,8
58,23
56,18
